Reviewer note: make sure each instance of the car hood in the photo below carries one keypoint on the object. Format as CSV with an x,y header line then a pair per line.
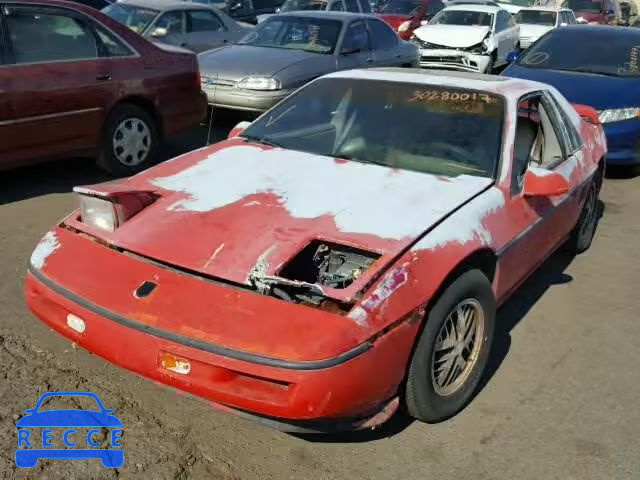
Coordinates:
x,y
533,31
69,418
395,20
584,88
455,36
238,61
234,208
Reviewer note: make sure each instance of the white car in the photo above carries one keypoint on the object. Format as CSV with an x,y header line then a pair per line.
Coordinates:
x,y
474,38
536,21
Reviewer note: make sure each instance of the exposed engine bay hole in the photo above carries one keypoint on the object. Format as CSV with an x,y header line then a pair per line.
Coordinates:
x,y
328,264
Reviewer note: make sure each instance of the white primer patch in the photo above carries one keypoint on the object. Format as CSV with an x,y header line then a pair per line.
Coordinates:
x,y
45,247
361,198
465,225
214,255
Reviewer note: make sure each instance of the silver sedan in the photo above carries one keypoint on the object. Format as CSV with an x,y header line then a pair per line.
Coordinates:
x,y
288,50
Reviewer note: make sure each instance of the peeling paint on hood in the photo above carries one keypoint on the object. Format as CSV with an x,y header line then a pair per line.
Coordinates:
x,y
45,247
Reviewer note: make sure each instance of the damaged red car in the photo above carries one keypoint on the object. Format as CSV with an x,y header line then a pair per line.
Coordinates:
x,y
341,256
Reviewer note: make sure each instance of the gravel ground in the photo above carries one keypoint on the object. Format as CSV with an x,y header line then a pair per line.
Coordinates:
x,y
560,399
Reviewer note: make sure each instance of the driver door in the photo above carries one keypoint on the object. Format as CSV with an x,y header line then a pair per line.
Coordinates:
x,y
355,51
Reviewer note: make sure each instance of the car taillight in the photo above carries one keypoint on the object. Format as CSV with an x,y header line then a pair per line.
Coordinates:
x,y
108,213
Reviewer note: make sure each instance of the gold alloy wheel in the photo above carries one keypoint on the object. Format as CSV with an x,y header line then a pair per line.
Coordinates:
x,y
457,347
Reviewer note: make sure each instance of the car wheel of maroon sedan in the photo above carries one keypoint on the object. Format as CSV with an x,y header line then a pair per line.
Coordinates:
x,y
130,141
453,350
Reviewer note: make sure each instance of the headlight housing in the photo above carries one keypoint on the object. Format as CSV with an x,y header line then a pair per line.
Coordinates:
x,y
109,213
618,114
480,48
404,26
259,83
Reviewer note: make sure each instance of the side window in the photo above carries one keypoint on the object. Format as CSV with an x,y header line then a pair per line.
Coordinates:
x,y
173,22
203,21
365,6
433,7
572,138
352,6
357,38
111,45
512,21
337,6
502,22
536,141
48,35
382,37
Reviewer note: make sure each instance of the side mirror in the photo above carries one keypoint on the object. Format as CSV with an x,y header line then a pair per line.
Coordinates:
x,y
238,129
512,56
539,182
159,32
349,50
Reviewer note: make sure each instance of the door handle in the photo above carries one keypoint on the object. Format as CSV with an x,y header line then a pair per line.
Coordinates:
x,y
369,60
102,77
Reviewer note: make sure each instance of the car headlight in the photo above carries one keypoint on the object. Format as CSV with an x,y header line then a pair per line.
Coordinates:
x,y
259,83
480,48
98,213
618,114
404,26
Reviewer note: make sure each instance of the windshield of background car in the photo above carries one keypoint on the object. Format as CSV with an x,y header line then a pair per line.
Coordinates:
x,y
297,5
613,52
585,5
136,18
425,128
536,17
463,17
401,7
317,35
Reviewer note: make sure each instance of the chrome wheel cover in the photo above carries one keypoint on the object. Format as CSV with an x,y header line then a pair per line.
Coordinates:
x,y
131,141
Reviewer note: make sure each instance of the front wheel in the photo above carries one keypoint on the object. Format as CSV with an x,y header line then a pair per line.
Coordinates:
x,y
453,349
491,65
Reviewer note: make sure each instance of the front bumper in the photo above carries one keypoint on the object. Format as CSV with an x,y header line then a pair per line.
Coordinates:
x,y
453,60
353,390
245,100
623,142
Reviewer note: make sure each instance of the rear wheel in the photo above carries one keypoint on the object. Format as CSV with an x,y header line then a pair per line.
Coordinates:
x,y
582,234
130,141
453,349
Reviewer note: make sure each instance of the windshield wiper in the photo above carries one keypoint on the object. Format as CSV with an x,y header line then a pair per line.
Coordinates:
x,y
355,159
587,70
263,141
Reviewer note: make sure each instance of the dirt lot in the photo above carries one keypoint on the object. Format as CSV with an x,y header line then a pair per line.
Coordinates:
x,y
560,400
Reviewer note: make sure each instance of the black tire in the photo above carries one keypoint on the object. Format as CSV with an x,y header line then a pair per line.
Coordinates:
x,y
422,400
582,234
122,116
491,65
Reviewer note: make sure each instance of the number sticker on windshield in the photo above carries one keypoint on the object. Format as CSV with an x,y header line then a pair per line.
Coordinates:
x,y
444,96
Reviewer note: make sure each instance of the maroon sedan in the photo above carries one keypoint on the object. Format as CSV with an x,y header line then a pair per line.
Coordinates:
x,y
74,82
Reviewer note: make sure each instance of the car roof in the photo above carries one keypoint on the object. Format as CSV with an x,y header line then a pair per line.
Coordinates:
x,y
506,86
475,7
164,4
545,9
326,14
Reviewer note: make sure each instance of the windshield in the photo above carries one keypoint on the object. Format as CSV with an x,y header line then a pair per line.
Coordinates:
x,y
425,128
297,5
136,18
402,7
317,35
612,52
585,5
536,17
463,17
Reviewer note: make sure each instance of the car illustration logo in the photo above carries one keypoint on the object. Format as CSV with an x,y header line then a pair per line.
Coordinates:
x,y
63,422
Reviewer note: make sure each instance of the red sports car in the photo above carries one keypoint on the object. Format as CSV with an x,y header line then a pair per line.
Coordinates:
x,y
405,16
343,254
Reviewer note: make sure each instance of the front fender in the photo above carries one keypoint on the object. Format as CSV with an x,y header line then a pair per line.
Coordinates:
x,y
416,277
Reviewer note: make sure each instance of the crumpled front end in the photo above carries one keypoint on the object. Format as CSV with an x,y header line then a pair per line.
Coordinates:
x,y
471,59
233,347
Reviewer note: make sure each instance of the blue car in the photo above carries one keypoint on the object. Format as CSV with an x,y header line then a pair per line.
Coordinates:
x,y
594,65
66,419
